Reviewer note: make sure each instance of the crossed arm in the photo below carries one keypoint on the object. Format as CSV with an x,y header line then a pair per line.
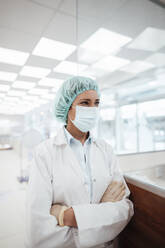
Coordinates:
x,y
114,192
97,223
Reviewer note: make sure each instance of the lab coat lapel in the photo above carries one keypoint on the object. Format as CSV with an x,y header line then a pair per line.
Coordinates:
x,y
72,161
99,171
75,165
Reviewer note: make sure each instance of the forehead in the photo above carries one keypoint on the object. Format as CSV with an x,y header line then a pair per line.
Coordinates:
x,y
88,94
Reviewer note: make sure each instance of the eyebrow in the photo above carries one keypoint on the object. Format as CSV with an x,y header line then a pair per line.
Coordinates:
x,y
88,99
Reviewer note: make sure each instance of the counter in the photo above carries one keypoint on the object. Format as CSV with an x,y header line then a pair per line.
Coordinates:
x,y
147,226
151,179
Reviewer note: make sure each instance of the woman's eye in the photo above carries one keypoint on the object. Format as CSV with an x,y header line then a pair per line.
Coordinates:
x,y
87,103
84,103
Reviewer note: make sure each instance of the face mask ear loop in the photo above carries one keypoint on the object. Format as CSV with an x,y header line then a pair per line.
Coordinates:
x,y
69,116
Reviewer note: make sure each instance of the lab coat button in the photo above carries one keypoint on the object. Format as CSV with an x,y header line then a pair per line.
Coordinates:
x,y
94,179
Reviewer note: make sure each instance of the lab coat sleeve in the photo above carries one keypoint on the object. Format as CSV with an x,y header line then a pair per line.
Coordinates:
x,y
41,229
102,222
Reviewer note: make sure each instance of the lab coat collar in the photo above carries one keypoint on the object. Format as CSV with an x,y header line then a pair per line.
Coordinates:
x,y
61,139
71,139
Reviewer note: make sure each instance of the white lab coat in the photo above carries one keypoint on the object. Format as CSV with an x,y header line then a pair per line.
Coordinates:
x,y
56,177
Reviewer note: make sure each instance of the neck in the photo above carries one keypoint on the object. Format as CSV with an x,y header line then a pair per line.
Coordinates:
x,y
76,133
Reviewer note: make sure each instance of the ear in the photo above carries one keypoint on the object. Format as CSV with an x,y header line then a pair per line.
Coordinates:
x,y
67,115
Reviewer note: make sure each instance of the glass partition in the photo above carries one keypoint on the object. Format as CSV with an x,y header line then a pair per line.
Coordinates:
x,y
134,128
151,117
127,58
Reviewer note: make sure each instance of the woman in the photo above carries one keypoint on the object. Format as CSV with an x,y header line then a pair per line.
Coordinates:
x,y
77,196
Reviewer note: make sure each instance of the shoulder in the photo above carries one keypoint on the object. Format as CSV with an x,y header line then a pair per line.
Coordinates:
x,y
42,156
44,147
107,150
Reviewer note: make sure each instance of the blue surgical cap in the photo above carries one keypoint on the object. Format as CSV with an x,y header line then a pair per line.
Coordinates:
x,y
67,93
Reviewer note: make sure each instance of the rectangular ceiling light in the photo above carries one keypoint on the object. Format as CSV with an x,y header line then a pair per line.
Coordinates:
x,y
9,104
71,68
151,39
13,57
4,87
23,85
88,56
111,63
16,93
36,91
42,101
5,108
50,82
30,98
2,95
137,67
53,49
93,72
49,96
8,76
20,110
55,89
36,72
11,99
105,41
36,103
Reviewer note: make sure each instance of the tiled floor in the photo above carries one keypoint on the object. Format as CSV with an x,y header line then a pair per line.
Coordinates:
x,y
12,201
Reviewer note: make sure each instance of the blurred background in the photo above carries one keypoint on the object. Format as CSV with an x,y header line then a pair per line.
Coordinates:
x,y
119,43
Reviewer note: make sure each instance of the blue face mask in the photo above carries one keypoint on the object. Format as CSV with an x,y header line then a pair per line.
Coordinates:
x,y
86,118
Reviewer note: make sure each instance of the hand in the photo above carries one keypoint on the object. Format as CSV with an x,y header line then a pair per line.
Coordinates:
x,y
69,218
114,192
56,210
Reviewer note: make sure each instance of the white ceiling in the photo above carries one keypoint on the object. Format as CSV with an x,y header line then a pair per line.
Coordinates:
x,y
24,22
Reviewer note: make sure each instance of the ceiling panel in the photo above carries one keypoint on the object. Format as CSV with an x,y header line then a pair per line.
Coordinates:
x,y
137,67
24,78
115,78
151,39
5,82
24,16
73,57
135,16
86,29
58,75
62,28
48,3
158,59
24,22
90,9
17,40
9,68
41,62
69,7
133,54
